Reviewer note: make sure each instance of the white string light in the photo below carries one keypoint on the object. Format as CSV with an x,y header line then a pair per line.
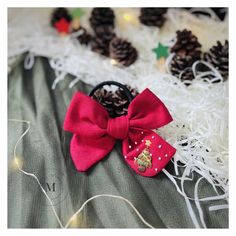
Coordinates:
x,y
110,196
30,174
48,198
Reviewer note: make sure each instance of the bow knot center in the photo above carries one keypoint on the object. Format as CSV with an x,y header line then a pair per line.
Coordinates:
x,y
118,127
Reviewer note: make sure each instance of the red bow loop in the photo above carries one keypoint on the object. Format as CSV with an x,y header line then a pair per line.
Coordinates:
x,y
95,133
85,117
148,111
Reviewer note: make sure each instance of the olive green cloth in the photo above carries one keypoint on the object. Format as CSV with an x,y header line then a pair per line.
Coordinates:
x,y
45,152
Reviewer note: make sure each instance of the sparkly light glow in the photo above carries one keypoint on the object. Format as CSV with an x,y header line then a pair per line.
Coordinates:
x,y
113,62
74,221
128,17
17,162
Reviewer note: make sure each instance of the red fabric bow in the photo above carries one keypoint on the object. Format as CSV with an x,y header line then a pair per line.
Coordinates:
x,y
95,133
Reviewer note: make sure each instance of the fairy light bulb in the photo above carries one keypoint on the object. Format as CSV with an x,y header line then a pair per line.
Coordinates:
x,y
77,221
128,17
73,221
113,62
17,162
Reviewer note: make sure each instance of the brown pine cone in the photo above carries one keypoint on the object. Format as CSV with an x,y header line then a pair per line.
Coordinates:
x,y
153,16
181,67
186,44
104,32
123,52
100,44
60,13
115,102
84,37
218,56
102,17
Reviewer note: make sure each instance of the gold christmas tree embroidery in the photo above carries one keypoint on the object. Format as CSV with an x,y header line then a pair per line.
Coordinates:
x,y
144,159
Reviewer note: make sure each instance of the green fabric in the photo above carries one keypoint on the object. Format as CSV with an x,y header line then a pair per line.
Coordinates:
x,y
45,152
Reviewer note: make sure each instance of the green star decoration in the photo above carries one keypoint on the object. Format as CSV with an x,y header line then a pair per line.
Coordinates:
x,y
77,13
161,51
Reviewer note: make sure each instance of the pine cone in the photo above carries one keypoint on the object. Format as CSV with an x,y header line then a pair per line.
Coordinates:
x,y
218,56
186,44
58,14
101,44
181,67
115,102
153,16
123,52
102,17
105,32
84,37
221,12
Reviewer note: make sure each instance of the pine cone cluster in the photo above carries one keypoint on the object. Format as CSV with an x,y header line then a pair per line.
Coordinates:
x,y
115,102
104,40
153,16
102,22
123,52
60,13
187,51
218,56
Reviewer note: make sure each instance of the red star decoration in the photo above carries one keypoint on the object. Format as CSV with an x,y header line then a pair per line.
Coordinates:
x,y
62,26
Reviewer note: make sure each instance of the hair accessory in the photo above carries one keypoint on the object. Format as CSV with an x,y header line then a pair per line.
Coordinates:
x,y
114,100
95,133
123,87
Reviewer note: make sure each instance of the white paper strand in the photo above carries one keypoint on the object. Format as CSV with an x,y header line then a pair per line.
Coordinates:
x,y
218,207
198,203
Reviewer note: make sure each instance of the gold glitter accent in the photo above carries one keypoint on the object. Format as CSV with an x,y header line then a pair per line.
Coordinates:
x,y
144,159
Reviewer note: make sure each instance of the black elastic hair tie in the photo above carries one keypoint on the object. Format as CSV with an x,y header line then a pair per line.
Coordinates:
x,y
123,87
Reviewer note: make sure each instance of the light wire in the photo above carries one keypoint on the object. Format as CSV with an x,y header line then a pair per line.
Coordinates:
x,y
48,198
